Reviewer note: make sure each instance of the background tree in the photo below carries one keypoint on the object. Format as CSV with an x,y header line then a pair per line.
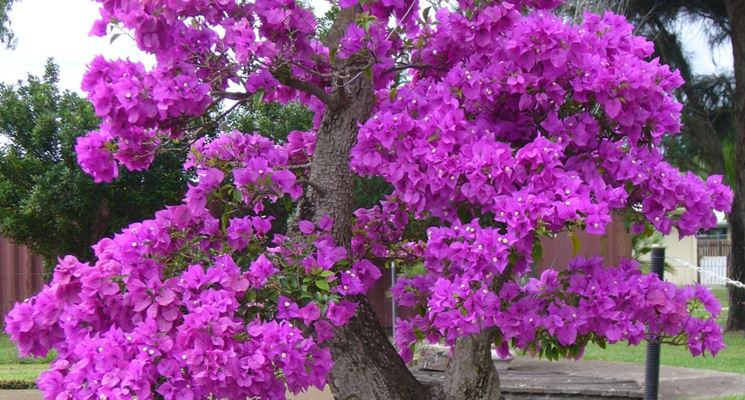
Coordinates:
x,y
712,141
46,202
6,34
709,140
736,315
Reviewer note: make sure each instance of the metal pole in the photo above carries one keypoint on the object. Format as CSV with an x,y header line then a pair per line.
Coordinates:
x,y
652,367
393,300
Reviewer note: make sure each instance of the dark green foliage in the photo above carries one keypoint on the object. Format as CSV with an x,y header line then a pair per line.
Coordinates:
x,y
6,35
272,120
708,120
17,385
46,202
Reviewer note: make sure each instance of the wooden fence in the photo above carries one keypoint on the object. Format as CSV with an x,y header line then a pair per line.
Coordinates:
x,y
21,275
713,247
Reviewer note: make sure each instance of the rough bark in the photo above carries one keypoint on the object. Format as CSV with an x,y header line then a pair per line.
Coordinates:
x,y
736,316
471,374
366,365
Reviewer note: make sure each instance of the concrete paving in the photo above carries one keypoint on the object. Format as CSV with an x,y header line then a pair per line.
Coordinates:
x,y
675,383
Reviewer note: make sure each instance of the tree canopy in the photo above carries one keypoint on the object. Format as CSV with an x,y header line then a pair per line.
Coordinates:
x,y
6,34
46,202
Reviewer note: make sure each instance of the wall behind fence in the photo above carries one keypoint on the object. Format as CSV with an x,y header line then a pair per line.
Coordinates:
x,y
21,275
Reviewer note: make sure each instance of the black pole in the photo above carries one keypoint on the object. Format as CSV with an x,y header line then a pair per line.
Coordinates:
x,y
652,368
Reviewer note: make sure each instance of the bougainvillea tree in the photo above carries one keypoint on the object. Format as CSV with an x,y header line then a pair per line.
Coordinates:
x,y
494,122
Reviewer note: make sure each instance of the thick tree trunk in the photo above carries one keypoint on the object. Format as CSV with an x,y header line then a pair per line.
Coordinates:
x,y
736,316
736,270
471,374
366,365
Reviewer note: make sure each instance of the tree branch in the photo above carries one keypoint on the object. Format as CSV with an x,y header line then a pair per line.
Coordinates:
x,y
232,95
284,76
403,67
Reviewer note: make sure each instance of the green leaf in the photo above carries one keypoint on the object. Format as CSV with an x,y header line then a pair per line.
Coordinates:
x,y
576,244
537,251
322,284
332,54
393,93
114,37
258,98
237,196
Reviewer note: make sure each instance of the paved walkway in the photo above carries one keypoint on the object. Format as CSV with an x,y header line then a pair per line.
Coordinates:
x,y
675,383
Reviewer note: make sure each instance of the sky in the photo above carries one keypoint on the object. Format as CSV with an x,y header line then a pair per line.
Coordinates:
x,y
59,29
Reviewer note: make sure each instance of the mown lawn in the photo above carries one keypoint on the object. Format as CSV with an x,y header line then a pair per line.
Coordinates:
x,y
731,359
13,368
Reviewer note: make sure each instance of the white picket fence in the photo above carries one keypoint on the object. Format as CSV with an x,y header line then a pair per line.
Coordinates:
x,y
714,270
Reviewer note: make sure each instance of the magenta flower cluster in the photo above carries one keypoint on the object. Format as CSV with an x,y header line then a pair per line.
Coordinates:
x,y
181,307
533,128
496,124
587,302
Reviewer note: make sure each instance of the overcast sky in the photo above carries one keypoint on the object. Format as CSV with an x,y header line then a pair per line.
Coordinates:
x,y
59,29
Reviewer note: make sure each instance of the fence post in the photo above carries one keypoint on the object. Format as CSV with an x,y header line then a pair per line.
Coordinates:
x,y
652,368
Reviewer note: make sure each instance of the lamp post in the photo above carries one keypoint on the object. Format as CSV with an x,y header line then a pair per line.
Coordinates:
x,y
652,367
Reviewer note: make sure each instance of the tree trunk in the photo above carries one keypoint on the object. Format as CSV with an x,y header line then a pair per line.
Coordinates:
x,y
366,365
736,316
471,374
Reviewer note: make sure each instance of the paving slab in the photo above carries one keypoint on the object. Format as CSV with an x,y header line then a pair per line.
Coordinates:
x,y
675,382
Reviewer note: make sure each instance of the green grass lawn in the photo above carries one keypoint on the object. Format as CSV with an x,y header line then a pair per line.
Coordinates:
x,y
731,359
13,368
